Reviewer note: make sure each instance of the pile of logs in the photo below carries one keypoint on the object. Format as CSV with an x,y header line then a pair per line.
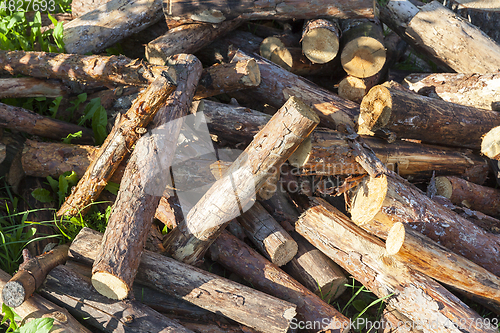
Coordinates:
x,y
239,134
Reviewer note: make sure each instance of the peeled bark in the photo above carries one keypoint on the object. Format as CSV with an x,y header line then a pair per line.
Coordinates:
x,y
206,290
320,40
392,321
476,90
490,145
31,87
269,149
421,299
412,116
80,7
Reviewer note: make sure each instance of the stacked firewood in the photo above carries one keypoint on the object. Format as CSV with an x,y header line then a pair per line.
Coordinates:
x,y
326,187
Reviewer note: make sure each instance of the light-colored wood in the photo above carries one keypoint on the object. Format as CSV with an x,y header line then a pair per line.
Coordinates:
x,y
31,87
490,144
269,149
364,256
242,304
378,203
320,40
80,7
476,90
392,321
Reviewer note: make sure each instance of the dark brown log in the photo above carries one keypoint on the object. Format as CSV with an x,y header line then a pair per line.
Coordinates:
x,y
473,196
31,274
206,290
187,38
476,90
320,40
31,87
363,53
145,179
378,203
412,116
239,257
37,306
327,152
269,149
124,135
421,299
490,144
215,12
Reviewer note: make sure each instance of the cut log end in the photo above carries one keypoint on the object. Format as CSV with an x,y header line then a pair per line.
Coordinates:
x,y
284,253
110,286
300,156
490,146
268,46
395,238
13,294
366,203
251,71
320,45
443,187
363,57
376,109
302,108
352,88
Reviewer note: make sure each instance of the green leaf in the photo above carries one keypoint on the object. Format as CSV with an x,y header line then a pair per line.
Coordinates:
x,y
99,122
63,187
71,177
5,43
113,187
42,195
10,315
54,107
359,305
79,100
38,325
90,109
54,184
72,136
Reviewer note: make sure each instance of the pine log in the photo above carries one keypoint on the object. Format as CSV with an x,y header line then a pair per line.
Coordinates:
x,y
277,85
206,290
442,36
421,299
327,153
392,321
238,257
426,256
143,184
210,12
320,40
412,116
473,196
476,90
80,7
31,87
269,149
74,292
123,136
363,52
37,306
27,121
490,144
378,203
188,38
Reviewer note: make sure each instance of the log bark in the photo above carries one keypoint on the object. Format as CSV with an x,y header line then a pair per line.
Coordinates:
x,y
145,179
208,291
363,53
441,35
80,7
392,321
187,38
37,307
210,12
269,149
412,116
421,299
426,256
238,257
278,84
124,135
476,197
327,153
109,23
476,90
31,87
379,203
320,40
490,144
27,121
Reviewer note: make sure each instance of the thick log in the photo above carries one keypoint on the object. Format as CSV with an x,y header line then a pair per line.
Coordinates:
x,y
292,59
31,87
421,299
238,257
206,290
80,7
473,196
363,53
187,38
277,85
378,203
490,144
37,306
27,121
268,150
327,153
392,321
124,135
412,116
476,90
441,35
31,274
216,12
426,256
143,184
320,40
74,292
